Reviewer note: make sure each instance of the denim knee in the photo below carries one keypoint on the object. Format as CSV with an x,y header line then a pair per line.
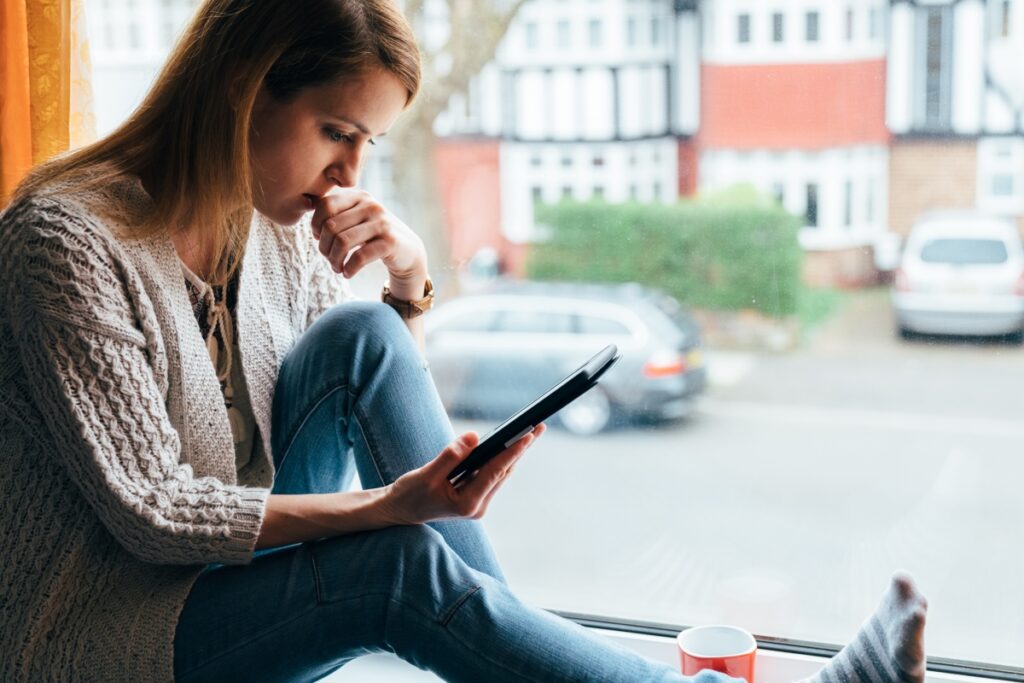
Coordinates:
x,y
368,321
413,565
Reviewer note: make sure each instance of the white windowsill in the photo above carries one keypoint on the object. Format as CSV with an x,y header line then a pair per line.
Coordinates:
x,y
772,667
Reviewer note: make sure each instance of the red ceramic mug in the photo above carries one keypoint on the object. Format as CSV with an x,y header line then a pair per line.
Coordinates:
x,y
727,649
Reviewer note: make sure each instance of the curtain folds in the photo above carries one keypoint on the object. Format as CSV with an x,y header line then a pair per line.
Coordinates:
x,y
45,87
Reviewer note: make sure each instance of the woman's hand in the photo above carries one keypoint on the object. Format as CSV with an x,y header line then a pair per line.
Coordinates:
x,y
349,219
424,494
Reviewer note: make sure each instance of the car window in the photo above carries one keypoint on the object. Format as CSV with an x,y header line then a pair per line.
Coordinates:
x,y
528,322
965,251
471,321
593,324
677,315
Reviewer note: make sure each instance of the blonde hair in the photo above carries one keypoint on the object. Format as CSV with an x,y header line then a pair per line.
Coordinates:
x,y
190,135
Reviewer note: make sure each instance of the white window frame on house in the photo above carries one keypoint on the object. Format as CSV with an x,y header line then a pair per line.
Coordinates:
x,y
1001,156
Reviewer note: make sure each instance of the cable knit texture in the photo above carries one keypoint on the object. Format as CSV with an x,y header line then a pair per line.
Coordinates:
x,y
117,465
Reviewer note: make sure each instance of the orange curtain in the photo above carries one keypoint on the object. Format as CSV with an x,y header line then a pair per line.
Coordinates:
x,y
45,90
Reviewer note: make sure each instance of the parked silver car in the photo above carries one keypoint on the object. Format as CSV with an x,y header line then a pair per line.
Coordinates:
x,y
491,354
961,273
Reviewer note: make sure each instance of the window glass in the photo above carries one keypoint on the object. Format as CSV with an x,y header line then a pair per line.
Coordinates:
x,y
964,252
594,33
743,28
1002,185
811,210
848,203
811,27
473,321
564,38
592,324
778,27
834,432
532,35
779,193
936,75
528,322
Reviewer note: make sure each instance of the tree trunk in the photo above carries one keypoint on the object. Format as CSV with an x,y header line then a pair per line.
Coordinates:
x,y
414,173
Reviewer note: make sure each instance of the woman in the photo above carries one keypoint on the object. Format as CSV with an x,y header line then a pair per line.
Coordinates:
x,y
187,388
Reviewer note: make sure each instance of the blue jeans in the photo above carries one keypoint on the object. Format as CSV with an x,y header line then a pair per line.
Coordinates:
x,y
354,392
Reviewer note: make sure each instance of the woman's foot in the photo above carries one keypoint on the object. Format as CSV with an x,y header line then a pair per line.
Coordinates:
x,y
889,646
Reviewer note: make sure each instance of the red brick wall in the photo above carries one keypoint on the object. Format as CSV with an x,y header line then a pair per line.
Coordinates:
x,y
793,106
930,174
687,160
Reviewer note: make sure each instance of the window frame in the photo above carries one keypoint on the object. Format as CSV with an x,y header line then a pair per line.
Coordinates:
x,y
778,658
992,164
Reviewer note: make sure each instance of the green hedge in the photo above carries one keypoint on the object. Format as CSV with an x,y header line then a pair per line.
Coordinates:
x,y
732,251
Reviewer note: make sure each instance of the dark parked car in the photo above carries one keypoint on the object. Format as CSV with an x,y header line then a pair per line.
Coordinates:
x,y
492,353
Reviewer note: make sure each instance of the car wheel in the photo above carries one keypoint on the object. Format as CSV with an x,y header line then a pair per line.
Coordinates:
x,y
904,333
588,414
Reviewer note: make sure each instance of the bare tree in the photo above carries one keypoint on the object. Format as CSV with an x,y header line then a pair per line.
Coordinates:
x,y
476,29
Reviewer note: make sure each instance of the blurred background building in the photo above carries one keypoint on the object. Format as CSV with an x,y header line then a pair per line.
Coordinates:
x,y
858,115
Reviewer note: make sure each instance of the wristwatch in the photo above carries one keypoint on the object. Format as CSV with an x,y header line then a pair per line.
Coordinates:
x,y
410,308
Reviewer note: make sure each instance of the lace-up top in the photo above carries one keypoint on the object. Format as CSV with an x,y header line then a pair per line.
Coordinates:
x,y
214,308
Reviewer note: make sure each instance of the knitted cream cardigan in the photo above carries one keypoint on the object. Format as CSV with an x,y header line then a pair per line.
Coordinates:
x,y
117,466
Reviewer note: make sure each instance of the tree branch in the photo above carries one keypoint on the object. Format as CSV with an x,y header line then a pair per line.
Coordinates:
x,y
476,30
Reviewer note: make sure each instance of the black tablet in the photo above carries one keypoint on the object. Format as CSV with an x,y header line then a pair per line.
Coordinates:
x,y
520,424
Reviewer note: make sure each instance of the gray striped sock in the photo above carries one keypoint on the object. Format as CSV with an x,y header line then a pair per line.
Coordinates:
x,y
889,648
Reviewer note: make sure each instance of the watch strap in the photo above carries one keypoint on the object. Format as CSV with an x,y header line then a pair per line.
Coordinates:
x,y
410,308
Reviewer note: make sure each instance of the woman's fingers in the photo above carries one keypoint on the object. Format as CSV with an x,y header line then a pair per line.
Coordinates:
x,y
491,475
486,502
340,216
503,474
368,253
452,455
336,244
339,201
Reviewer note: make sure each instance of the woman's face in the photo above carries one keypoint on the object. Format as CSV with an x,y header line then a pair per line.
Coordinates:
x,y
302,148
